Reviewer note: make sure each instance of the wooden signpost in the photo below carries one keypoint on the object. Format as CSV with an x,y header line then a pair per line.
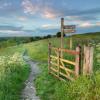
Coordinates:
x,y
69,27
59,66
65,29
62,35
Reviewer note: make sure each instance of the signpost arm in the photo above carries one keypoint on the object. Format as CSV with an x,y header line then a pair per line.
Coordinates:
x,y
62,35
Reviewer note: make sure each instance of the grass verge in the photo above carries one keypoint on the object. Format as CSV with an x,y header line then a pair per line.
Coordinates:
x,y
13,72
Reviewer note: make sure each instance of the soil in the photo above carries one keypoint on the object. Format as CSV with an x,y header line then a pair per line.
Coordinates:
x,y
29,92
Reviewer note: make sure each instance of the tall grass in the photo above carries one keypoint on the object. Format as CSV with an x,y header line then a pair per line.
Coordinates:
x,y
13,72
84,88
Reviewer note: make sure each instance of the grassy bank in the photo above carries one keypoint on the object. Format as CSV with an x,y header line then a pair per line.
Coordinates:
x,y
13,73
49,88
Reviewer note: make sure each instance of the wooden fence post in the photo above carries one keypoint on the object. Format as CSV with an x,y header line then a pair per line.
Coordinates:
x,y
58,62
62,35
71,43
49,59
81,60
77,61
91,60
88,60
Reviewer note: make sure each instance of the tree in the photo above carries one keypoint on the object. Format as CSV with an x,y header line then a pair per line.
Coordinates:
x,y
48,36
59,34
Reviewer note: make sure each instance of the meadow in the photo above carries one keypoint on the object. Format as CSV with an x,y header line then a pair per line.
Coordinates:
x,y
13,72
50,88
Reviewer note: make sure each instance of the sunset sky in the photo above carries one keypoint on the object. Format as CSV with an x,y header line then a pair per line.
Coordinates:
x,y
42,17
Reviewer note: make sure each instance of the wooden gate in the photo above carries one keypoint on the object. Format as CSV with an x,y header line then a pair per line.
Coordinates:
x,y
62,67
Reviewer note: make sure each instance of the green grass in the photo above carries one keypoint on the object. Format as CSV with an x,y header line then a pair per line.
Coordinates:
x,y
39,50
11,50
84,88
50,88
13,72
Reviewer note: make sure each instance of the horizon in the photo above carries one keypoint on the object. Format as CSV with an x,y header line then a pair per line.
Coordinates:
x,y
42,17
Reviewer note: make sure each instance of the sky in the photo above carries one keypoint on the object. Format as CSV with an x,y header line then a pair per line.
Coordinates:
x,y
42,17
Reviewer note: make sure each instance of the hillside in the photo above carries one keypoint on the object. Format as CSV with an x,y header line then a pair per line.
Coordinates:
x,y
49,88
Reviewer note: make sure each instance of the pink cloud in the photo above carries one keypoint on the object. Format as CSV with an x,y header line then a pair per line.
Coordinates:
x,y
48,14
43,10
29,7
97,23
86,24
49,26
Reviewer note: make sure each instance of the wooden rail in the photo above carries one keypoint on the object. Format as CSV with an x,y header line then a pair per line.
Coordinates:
x,y
72,52
62,63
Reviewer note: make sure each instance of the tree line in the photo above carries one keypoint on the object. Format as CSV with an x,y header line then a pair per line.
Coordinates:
x,y
12,41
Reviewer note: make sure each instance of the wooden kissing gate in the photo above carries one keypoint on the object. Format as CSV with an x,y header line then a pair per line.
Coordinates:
x,y
58,66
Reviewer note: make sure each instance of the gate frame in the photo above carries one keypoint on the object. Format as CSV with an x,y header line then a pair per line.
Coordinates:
x,y
59,59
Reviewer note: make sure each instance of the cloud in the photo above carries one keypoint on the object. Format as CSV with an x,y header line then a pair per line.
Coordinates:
x,y
15,31
29,7
13,28
5,5
48,9
86,25
89,24
48,14
83,21
89,11
49,26
81,18
22,18
43,31
10,31
97,23
38,7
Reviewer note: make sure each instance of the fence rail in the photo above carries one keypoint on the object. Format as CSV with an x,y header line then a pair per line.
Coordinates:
x,y
59,66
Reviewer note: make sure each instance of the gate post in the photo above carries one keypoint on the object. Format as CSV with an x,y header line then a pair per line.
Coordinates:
x,y
88,60
62,35
58,61
49,59
77,60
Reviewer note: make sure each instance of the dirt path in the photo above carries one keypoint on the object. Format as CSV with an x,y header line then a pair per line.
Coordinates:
x,y
29,92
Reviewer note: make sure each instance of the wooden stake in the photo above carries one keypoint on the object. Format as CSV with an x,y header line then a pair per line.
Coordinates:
x,y
88,60
49,59
62,35
71,43
91,60
77,62
58,61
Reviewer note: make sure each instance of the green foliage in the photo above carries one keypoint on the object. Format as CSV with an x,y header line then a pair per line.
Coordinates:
x,y
84,88
58,34
13,72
